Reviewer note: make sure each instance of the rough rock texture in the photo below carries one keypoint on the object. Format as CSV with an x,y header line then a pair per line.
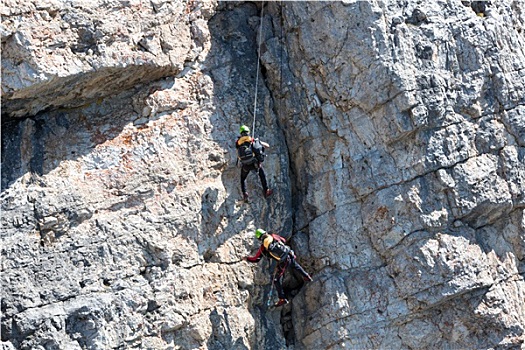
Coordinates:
x,y
67,53
122,225
408,160
397,133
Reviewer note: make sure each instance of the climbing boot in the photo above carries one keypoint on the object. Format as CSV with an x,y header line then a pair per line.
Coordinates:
x,y
281,302
268,193
307,278
245,197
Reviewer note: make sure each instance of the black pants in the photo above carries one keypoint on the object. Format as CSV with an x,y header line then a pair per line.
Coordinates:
x,y
280,269
245,170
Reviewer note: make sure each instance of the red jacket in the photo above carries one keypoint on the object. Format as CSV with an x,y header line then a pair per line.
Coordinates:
x,y
262,249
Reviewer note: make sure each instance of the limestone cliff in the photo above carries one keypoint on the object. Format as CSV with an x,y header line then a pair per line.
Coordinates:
x,y
397,133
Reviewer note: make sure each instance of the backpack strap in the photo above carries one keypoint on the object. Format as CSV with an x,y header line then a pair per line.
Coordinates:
x,y
278,238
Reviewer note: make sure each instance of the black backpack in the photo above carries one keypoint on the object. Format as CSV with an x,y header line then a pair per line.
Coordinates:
x,y
278,249
246,154
249,153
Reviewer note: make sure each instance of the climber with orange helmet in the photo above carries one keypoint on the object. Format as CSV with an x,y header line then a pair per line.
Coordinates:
x,y
250,152
274,247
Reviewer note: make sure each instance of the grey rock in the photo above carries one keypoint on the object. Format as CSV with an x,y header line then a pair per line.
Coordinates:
x,y
415,134
396,156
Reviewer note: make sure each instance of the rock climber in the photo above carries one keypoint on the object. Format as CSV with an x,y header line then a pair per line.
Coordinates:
x,y
250,152
274,247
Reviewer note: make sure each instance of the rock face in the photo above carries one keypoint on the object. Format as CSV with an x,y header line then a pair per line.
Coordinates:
x,y
66,53
397,156
122,225
409,169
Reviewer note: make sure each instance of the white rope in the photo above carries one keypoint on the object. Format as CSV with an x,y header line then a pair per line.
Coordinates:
x,y
257,74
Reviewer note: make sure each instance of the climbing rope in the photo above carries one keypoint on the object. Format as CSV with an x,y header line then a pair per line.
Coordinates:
x,y
281,61
257,74
270,295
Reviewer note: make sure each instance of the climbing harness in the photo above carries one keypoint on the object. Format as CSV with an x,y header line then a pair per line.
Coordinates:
x,y
282,270
258,66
